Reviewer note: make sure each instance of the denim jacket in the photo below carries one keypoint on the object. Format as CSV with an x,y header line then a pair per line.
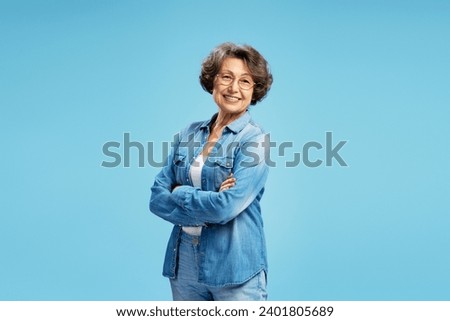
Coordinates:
x,y
232,243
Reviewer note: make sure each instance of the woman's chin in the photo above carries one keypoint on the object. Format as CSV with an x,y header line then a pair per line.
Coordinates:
x,y
233,109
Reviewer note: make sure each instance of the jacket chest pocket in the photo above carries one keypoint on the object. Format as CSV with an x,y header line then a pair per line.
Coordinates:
x,y
180,167
222,167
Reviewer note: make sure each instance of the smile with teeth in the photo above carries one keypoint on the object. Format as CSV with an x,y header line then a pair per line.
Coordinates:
x,y
232,99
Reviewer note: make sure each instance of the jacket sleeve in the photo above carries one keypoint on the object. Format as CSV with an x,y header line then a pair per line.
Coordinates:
x,y
250,170
162,203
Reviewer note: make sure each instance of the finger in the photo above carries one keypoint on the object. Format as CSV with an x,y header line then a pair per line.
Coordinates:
x,y
231,184
229,180
226,186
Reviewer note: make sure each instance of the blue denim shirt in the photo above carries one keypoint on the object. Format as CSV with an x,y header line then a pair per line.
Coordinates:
x,y
232,243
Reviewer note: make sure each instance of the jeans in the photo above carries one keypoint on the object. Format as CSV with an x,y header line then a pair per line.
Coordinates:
x,y
185,287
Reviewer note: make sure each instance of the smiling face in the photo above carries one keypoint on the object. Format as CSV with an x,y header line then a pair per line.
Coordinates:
x,y
231,99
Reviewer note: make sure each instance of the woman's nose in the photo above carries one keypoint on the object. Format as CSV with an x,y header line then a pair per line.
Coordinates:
x,y
234,86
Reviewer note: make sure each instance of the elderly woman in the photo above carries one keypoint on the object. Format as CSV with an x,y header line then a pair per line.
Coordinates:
x,y
212,184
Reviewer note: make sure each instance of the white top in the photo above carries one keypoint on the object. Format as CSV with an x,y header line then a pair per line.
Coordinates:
x,y
196,171
196,177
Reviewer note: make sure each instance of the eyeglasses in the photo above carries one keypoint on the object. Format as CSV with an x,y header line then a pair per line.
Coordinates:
x,y
245,83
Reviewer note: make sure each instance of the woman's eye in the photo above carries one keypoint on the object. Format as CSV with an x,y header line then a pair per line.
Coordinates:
x,y
245,81
226,77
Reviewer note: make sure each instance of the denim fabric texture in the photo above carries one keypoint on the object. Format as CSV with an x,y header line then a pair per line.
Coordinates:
x,y
185,287
232,248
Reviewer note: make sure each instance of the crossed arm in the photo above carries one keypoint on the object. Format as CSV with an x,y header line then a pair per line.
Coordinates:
x,y
189,206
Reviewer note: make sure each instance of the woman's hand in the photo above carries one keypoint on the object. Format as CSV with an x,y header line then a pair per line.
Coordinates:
x,y
228,183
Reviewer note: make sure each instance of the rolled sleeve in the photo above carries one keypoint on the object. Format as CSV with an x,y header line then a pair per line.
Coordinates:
x,y
180,195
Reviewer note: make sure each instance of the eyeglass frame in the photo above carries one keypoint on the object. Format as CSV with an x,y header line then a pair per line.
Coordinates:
x,y
232,81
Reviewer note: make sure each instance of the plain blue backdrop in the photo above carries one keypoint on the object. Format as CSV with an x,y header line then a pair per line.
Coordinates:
x,y
77,74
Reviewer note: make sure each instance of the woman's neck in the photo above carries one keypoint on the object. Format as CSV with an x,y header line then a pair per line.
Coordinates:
x,y
223,119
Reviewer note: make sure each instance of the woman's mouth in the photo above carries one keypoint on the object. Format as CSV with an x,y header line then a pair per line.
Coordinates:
x,y
231,99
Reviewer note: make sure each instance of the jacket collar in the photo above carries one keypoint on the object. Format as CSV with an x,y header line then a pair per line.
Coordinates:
x,y
235,126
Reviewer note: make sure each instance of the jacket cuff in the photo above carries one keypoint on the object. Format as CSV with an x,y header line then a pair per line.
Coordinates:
x,y
179,195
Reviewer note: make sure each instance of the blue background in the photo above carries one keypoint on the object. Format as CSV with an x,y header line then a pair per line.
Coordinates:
x,y
77,74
